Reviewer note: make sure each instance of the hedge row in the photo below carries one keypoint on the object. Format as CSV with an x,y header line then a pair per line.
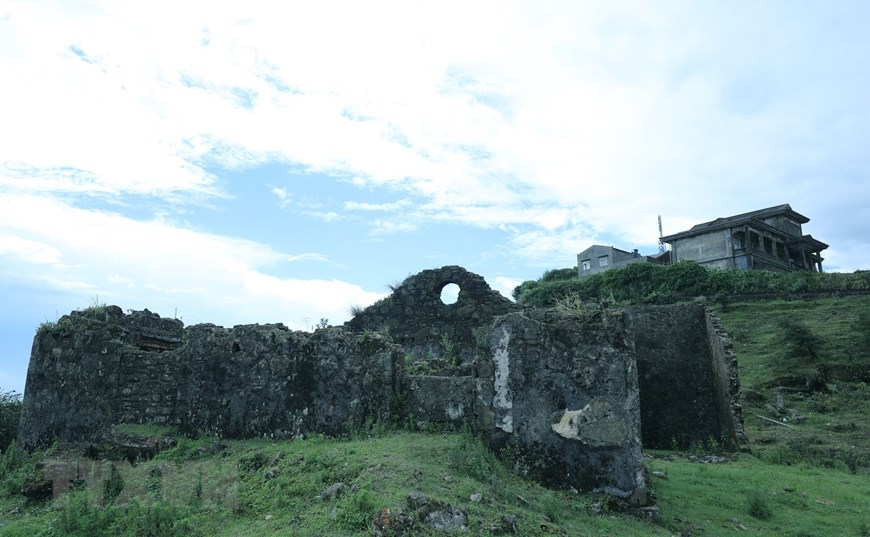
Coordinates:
x,y
650,283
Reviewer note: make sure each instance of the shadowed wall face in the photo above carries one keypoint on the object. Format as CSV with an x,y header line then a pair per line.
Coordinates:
x,y
687,377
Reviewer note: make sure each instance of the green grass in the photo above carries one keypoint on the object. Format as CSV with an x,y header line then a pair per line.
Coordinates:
x,y
751,497
259,487
824,400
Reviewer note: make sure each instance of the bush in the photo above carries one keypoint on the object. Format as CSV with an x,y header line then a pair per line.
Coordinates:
x,y
82,517
10,417
647,282
560,274
799,339
685,278
547,293
355,511
469,456
758,507
15,464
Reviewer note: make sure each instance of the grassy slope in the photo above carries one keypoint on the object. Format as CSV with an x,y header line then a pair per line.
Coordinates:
x,y
809,480
829,425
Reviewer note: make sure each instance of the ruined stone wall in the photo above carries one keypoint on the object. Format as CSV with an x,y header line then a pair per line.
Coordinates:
x,y
437,388
563,396
727,381
91,369
571,397
416,318
94,370
687,377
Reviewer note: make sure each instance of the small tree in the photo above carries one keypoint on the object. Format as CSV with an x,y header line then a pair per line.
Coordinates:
x,y
799,339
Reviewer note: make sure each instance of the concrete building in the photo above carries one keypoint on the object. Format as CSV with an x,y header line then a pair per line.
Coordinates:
x,y
598,258
766,239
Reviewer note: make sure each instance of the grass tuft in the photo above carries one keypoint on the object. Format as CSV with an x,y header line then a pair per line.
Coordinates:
x,y
758,506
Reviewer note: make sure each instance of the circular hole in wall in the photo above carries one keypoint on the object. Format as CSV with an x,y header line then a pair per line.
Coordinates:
x,y
450,293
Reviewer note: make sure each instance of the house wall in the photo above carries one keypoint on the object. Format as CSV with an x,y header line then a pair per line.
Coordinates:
x,y
615,259
784,224
711,249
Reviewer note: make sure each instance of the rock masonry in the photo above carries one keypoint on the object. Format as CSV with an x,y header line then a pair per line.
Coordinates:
x,y
569,398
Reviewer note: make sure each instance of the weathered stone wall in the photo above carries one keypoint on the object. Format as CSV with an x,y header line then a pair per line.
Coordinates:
x,y
687,376
438,388
416,318
727,381
563,396
430,400
570,397
91,368
92,371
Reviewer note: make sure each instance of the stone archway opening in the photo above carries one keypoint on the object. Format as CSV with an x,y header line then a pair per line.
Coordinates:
x,y
450,294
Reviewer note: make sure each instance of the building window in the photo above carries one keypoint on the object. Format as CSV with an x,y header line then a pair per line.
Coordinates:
x,y
754,241
739,239
586,264
602,261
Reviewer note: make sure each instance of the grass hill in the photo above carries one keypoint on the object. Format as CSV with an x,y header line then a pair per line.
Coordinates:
x,y
805,373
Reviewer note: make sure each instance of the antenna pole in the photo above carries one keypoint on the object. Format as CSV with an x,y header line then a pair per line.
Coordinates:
x,y
661,244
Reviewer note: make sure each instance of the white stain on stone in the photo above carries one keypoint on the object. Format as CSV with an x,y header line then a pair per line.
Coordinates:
x,y
594,424
455,410
569,426
502,400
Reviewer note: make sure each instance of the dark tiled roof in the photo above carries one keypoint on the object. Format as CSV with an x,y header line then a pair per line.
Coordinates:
x,y
737,219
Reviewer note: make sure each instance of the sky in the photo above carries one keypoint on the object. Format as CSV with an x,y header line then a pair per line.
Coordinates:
x,y
264,162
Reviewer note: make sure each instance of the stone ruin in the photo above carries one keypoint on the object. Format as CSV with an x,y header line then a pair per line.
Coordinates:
x,y
574,398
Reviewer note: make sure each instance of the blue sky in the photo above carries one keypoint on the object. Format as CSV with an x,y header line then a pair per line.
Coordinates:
x,y
282,162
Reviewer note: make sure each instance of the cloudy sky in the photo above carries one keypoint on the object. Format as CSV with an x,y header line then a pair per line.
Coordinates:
x,y
282,164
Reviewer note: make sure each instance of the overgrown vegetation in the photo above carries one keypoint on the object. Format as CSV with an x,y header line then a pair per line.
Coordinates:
x,y
651,283
95,307
805,364
10,415
572,306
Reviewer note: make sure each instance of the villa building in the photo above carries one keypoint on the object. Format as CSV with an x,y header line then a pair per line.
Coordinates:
x,y
766,239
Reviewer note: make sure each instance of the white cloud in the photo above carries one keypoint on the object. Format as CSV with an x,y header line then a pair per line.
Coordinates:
x,y
505,285
28,250
152,264
284,196
374,207
307,257
598,116
385,227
